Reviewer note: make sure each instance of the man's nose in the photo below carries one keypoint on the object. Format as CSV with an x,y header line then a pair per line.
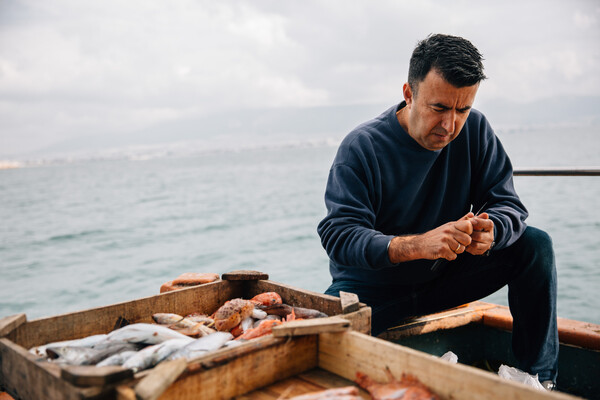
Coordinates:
x,y
449,121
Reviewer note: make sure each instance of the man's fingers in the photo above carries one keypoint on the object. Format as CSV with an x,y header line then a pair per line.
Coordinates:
x,y
467,216
481,223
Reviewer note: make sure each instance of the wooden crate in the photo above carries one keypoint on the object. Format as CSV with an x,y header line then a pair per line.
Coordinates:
x,y
24,377
282,367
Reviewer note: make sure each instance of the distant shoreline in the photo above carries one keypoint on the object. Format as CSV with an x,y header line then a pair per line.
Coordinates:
x,y
10,164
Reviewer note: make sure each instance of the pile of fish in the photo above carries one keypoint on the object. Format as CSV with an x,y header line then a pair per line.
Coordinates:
x,y
141,346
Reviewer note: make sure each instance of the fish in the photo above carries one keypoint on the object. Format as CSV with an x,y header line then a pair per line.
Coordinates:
x,y
87,341
264,328
267,299
183,325
196,331
116,359
283,310
77,355
407,388
200,318
230,314
259,314
167,318
203,345
257,322
144,333
343,393
152,355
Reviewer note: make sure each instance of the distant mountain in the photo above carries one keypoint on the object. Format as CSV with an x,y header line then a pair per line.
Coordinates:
x,y
265,125
554,111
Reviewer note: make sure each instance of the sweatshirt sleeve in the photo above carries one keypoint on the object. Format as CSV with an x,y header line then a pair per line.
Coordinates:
x,y
347,232
493,183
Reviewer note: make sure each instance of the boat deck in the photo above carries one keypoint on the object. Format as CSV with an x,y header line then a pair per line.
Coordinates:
x,y
315,380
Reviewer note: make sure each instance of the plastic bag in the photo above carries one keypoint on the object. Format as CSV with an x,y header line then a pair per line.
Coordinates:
x,y
450,357
515,374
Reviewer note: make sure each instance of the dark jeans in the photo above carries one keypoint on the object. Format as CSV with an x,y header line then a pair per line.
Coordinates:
x,y
527,267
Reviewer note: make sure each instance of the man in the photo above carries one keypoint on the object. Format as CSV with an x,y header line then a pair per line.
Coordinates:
x,y
399,197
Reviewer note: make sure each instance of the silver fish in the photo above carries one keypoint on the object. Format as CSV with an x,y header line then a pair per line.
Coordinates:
x,y
88,341
144,333
117,359
203,345
152,355
77,355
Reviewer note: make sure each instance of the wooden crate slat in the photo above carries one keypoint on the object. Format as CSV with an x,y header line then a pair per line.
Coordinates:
x,y
346,353
247,373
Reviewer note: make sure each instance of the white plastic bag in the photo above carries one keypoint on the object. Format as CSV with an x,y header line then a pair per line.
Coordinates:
x,y
450,357
514,374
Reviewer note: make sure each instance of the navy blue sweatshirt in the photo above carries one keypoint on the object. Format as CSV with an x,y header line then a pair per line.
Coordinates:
x,y
383,183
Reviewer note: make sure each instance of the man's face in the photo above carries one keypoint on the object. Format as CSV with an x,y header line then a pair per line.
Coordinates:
x,y
436,113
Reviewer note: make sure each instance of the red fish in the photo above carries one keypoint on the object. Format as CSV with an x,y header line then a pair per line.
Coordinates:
x,y
267,299
407,388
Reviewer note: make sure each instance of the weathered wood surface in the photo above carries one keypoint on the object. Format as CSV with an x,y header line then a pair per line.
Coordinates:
x,y
473,312
571,332
161,377
311,326
346,353
255,369
22,377
89,375
244,275
349,302
314,380
205,298
10,323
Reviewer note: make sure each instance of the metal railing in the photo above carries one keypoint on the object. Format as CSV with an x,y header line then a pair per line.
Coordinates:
x,y
558,171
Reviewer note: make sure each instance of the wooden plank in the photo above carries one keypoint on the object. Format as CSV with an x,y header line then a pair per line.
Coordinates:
x,y
448,319
349,302
163,375
330,305
311,326
24,378
314,380
244,275
90,375
329,380
346,353
576,333
243,374
8,324
205,298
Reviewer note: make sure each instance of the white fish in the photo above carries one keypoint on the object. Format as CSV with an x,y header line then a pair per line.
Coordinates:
x,y
259,314
203,345
88,341
152,355
116,359
247,324
145,333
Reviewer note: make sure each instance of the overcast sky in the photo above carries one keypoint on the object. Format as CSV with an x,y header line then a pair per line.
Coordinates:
x,y
71,68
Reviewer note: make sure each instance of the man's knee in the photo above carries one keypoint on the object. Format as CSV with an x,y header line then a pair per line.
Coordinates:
x,y
536,247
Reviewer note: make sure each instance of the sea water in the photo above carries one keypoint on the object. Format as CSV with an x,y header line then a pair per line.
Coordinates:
x,y
96,231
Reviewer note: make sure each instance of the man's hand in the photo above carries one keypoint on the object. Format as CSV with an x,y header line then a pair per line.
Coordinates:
x,y
446,241
482,236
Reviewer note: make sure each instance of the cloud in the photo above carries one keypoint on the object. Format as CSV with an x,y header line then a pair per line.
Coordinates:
x,y
74,68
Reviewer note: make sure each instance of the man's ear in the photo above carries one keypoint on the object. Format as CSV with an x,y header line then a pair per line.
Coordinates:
x,y
408,94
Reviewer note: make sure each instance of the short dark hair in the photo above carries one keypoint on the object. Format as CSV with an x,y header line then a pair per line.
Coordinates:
x,y
455,58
